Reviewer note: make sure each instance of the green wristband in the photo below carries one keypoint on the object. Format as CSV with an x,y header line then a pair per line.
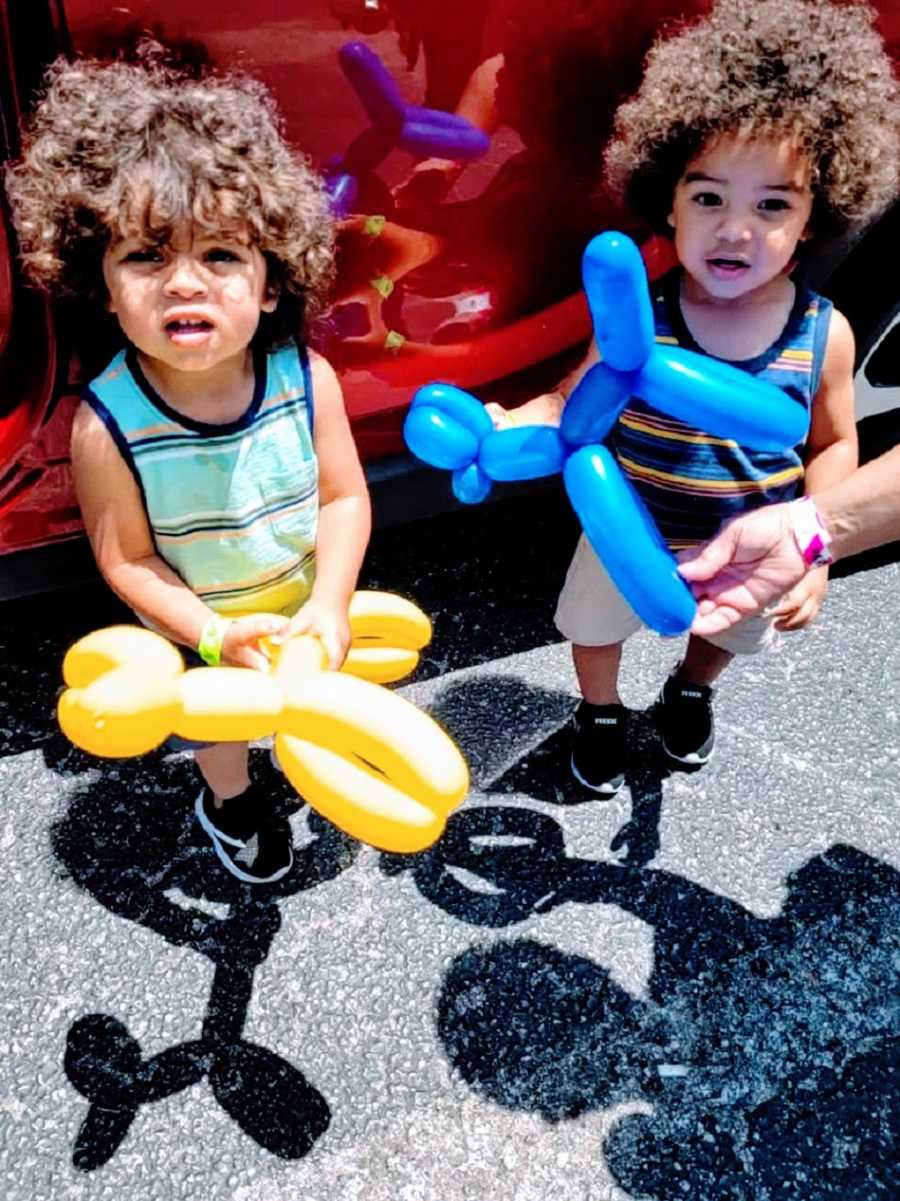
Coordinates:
x,y
209,648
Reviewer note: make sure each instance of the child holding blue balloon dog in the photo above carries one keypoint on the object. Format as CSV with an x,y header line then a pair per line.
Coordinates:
x,y
755,132
212,459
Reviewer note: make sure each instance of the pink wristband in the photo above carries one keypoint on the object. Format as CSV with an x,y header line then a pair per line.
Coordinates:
x,y
810,534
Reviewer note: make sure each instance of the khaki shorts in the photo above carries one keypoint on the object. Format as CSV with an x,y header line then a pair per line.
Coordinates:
x,y
592,612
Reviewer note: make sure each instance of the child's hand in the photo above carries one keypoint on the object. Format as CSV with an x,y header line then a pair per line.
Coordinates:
x,y
801,605
240,646
542,410
501,417
428,183
328,622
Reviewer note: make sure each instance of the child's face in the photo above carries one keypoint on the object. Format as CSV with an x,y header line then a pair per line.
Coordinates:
x,y
739,210
192,304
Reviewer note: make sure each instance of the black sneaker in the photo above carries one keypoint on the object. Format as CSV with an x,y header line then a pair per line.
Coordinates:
x,y
269,854
249,842
598,747
684,715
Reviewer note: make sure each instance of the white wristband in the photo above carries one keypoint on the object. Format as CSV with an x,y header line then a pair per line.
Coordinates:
x,y
809,531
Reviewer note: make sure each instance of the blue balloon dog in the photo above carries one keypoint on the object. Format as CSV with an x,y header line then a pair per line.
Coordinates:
x,y
449,428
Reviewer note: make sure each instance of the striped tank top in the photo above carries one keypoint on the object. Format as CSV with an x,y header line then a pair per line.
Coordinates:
x,y
232,508
692,482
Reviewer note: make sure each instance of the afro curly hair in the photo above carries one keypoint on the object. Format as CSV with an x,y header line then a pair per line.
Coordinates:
x,y
136,148
811,70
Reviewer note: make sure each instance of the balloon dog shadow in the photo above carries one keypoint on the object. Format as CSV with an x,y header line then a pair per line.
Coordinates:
x,y
764,1044
130,847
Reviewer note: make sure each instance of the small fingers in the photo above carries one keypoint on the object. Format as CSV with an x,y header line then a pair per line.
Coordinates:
x,y
336,648
266,625
799,618
248,657
299,624
498,415
787,606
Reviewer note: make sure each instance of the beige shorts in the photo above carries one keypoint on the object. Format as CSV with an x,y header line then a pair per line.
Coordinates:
x,y
592,612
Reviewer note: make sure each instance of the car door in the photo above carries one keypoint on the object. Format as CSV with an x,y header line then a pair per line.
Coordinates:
x,y
29,37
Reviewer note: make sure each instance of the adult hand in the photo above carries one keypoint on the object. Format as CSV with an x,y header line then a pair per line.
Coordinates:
x,y
330,624
240,646
750,563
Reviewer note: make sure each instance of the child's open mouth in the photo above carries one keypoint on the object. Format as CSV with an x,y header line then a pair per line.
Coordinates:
x,y
722,267
188,332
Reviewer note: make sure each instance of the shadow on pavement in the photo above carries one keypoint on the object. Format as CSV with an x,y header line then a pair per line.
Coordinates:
x,y
131,842
767,1046
492,716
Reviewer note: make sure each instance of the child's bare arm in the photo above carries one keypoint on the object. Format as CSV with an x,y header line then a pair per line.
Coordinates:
x,y
344,519
831,456
547,408
122,543
832,450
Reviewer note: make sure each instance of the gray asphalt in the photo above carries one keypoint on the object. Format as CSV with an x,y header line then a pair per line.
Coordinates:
x,y
685,992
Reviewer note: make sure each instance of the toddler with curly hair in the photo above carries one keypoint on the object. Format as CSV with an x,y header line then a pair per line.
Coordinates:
x,y
755,132
212,459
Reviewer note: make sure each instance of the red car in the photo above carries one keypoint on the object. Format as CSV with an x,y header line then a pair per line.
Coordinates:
x,y
463,273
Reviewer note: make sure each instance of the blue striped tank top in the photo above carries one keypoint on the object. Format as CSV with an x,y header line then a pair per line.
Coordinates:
x,y
692,482
233,508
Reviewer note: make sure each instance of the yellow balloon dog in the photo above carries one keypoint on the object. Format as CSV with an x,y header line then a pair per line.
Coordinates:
x,y
362,756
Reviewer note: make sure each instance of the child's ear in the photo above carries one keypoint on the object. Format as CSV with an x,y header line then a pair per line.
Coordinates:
x,y
270,299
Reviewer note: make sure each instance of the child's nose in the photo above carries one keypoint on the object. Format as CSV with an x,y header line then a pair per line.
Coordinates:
x,y
734,228
185,278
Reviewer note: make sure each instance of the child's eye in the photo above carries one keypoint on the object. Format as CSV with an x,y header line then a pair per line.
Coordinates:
x,y
773,204
146,254
221,254
707,199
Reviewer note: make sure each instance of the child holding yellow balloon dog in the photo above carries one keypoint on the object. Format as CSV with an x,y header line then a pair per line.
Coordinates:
x,y
212,459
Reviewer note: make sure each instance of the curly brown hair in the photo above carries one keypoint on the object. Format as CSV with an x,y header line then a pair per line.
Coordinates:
x,y
811,70
124,149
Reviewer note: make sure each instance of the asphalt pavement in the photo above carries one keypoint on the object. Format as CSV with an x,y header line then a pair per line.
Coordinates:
x,y
687,992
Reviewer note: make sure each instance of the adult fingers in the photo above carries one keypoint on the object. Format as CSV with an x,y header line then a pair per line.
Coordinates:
x,y
703,562
715,619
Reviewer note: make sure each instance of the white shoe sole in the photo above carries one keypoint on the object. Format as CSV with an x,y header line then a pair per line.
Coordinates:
x,y
216,837
604,790
691,760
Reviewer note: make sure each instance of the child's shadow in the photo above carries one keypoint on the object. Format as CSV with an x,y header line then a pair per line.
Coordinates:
x,y
131,841
764,1043
502,713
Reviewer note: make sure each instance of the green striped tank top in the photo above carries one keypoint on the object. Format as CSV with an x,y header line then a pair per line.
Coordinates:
x,y
233,508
